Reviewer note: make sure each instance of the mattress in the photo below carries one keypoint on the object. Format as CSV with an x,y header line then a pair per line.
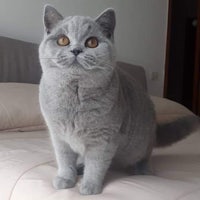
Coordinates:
x,y
27,168
27,162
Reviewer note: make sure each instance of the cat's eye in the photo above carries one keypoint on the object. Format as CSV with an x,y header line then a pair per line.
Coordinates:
x,y
92,42
63,40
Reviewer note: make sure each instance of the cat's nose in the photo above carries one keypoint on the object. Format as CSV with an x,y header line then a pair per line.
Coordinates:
x,y
76,51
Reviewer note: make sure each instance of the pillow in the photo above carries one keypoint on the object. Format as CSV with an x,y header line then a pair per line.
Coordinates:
x,y
168,111
19,107
20,110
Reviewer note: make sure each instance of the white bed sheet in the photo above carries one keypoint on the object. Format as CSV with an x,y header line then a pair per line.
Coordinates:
x,y
27,167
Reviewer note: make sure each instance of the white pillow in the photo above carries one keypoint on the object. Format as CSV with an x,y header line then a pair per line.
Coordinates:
x,y
19,107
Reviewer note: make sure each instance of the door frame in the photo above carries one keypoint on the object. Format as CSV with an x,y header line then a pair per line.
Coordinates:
x,y
167,48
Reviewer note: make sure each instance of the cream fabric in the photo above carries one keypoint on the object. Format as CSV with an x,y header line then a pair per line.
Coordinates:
x,y
19,107
27,160
20,111
167,110
27,167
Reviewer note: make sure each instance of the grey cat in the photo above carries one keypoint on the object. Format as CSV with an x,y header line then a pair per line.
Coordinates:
x,y
93,108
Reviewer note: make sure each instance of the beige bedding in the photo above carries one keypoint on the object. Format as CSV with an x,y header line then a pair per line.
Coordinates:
x,y
27,161
27,168
19,107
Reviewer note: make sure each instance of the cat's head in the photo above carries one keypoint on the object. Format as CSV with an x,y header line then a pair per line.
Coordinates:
x,y
77,44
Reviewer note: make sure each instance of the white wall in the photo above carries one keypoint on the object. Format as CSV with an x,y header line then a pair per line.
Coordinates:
x,y
140,34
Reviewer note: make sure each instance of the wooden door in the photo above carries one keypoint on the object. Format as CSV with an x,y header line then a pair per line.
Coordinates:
x,y
175,79
196,89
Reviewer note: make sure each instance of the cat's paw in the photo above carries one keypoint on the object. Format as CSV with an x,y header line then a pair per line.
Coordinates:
x,y
61,183
89,188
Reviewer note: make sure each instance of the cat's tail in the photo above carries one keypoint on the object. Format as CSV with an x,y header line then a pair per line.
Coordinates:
x,y
171,132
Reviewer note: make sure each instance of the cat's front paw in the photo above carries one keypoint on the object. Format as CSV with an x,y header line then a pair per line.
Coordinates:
x,y
89,188
61,183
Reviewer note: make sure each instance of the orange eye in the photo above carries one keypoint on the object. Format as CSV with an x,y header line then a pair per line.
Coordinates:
x,y
63,41
92,42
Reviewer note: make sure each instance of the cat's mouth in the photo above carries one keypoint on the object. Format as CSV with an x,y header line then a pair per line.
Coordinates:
x,y
76,62
79,61
69,61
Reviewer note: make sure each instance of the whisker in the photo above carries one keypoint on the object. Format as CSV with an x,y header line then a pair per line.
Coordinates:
x,y
49,58
62,61
63,56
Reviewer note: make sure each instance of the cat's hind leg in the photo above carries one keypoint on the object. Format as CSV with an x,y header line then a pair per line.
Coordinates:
x,y
142,167
80,169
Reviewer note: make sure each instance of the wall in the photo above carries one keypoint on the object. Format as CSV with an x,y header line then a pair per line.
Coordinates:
x,y
140,33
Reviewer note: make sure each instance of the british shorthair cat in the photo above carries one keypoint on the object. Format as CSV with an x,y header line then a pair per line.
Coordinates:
x,y
93,108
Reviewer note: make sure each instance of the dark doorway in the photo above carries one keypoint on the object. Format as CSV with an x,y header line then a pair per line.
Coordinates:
x,y
181,52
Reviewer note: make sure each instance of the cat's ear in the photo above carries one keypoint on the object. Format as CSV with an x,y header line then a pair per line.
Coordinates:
x,y
107,22
51,18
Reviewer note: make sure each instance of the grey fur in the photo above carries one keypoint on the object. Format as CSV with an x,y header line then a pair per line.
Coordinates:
x,y
172,132
51,18
93,108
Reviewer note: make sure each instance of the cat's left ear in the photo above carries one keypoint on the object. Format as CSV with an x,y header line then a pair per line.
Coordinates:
x,y
107,22
51,18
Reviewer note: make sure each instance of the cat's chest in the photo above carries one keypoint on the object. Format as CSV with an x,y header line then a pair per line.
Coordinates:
x,y
69,106
61,99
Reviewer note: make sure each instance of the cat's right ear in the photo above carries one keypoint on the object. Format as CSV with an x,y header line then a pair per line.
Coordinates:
x,y
51,18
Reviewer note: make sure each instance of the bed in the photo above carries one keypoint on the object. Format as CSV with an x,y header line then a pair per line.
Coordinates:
x,y
27,162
